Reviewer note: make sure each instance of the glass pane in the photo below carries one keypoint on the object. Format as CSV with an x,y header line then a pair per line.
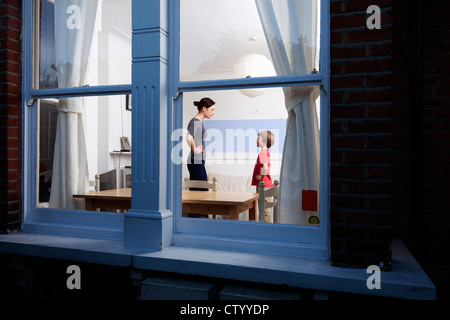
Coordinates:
x,y
232,149
248,38
94,138
84,43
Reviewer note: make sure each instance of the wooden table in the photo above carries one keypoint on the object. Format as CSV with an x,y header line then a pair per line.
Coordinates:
x,y
119,199
230,204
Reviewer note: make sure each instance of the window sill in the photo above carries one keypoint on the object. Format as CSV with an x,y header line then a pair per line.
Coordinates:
x,y
406,280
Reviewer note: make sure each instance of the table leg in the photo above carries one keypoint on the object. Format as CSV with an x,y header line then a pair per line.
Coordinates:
x,y
252,211
89,205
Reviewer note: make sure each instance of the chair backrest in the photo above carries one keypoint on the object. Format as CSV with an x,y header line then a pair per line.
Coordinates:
x,y
199,184
264,193
96,183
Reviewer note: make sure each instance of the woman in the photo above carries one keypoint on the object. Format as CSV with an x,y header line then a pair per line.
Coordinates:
x,y
196,139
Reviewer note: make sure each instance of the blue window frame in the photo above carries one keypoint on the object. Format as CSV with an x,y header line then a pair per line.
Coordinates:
x,y
248,236
48,80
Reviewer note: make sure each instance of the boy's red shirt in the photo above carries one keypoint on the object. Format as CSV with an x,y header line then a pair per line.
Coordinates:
x,y
263,157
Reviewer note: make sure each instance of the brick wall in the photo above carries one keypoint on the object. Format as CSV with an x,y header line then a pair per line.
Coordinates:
x,y
10,114
361,135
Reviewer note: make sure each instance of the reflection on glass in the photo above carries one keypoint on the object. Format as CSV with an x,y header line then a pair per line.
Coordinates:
x,y
233,149
83,43
80,138
248,38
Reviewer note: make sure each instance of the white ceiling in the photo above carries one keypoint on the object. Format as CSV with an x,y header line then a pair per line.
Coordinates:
x,y
215,34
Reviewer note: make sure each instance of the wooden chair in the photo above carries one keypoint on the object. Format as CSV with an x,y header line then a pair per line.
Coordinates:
x,y
198,184
264,193
96,183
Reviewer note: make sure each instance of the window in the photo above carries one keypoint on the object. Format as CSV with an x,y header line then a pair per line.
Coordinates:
x,y
263,63
80,44
103,159
224,40
80,66
79,114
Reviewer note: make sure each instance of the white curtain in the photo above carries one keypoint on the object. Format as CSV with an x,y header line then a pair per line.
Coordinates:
x,y
74,26
291,28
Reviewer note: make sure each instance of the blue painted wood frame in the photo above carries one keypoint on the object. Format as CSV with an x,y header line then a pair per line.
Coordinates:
x,y
43,220
149,222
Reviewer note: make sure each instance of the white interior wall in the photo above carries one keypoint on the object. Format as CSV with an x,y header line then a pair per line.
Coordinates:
x,y
106,117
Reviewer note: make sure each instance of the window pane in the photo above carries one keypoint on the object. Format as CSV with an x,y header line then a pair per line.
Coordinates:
x,y
83,43
76,146
248,38
232,152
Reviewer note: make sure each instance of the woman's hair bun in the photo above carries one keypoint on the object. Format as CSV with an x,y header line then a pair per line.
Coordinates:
x,y
204,103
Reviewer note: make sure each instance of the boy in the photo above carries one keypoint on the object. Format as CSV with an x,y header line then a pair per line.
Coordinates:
x,y
261,172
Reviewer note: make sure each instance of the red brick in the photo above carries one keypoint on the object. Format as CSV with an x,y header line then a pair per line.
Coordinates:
x,y
362,5
336,68
336,38
379,80
380,111
10,113
366,35
346,201
369,95
347,141
347,82
366,126
380,50
368,65
347,172
346,111
348,21
10,8
366,157
348,52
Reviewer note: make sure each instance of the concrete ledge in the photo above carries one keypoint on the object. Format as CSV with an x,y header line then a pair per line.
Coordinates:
x,y
106,252
406,280
250,293
157,288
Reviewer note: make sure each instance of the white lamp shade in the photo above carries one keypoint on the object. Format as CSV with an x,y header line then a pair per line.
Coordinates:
x,y
251,66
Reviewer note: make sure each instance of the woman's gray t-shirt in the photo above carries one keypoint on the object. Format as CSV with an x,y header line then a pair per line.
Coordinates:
x,y
197,130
